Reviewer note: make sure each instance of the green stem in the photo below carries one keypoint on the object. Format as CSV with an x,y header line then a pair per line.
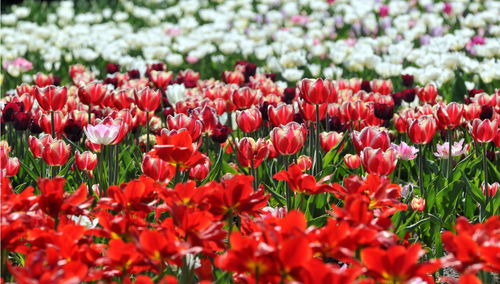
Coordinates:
x,y
317,160
485,170
147,131
421,169
450,156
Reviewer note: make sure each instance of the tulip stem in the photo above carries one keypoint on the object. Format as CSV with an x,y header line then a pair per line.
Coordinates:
x,y
53,129
450,156
317,160
421,169
486,187
147,131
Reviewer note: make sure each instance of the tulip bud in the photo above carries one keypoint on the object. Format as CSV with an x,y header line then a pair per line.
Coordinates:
x,y
352,161
418,204
85,161
56,153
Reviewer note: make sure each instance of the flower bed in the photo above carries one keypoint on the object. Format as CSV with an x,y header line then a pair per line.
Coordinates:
x,y
230,170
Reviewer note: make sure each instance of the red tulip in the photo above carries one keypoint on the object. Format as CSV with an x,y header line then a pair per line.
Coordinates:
x,y
309,110
249,120
45,122
450,116
157,169
250,152
378,161
245,97
200,171
330,140
161,79
147,99
317,91
472,111
422,129
122,98
51,98
233,77
37,145
373,137
281,114
177,149
428,94
304,162
352,161
11,167
354,111
85,161
43,80
484,130
191,124
288,139
301,182
56,153
383,87
92,93
397,264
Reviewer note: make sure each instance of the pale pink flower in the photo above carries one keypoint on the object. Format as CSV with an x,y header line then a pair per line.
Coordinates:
x,y
457,149
192,59
103,134
405,152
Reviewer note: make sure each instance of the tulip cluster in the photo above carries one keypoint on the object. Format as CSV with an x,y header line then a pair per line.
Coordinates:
x,y
161,176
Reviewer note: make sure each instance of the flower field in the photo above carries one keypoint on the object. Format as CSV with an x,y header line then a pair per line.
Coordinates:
x,y
250,142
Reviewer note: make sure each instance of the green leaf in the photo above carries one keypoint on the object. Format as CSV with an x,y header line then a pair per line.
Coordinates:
x,y
459,89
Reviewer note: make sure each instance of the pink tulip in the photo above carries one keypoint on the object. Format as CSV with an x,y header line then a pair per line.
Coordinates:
x,y
103,134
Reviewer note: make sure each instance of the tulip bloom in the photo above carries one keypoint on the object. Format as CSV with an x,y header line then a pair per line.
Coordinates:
x,y
457,149
250,152
378,161
418,204
177,149
51,98
146,99
11,167
56,153
191,124
249,120
483,130
301,182
281,114
157,169
102,134
330,140
352,161
161,79
405,152
373,137
450,116
422,129
288,139
85,161
317,91
200,171
304,162
92,93
428,94
245,97
491,189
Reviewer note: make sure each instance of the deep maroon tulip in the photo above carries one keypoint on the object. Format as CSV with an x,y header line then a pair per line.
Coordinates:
x,y
336,124
73,130
220,134
474,92
112,68
366,86
35,127
11,109
134,74
409,95
21,120
407,80
384,111
397,97
288,95
271,76
486,112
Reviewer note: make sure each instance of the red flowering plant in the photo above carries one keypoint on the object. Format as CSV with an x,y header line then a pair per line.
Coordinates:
x,y
165,177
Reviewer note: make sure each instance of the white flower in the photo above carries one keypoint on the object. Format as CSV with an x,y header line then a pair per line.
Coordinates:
x,y
85,221
176,93
292,74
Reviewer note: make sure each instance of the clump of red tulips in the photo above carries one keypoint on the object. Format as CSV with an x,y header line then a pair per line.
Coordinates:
x,y
168,178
